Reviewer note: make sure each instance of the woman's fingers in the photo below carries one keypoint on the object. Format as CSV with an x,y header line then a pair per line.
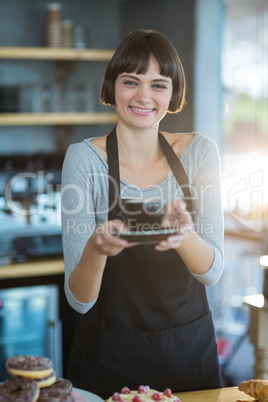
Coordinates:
x,y
175,206
172,242
177,216
108,237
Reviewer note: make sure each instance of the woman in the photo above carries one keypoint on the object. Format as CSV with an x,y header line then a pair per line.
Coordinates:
x,y
146,318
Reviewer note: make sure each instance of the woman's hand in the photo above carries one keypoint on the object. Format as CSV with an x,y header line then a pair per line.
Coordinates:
x,y
176,215
85,279
107,243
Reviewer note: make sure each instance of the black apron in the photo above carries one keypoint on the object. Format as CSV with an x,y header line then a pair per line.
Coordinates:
x,y
151,324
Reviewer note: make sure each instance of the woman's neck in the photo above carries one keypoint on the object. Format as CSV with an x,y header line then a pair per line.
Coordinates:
x,y
138,147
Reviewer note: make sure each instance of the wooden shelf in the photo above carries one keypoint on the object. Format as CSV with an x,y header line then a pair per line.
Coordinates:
x,y
39,268
37,53
62,119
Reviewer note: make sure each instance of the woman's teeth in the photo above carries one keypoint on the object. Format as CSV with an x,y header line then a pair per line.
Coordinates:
x,y
141,110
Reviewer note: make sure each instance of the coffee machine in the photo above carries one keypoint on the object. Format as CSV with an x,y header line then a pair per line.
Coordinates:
x,y
30,225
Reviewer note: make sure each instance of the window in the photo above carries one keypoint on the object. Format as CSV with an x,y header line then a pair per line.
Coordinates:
x,y
245,122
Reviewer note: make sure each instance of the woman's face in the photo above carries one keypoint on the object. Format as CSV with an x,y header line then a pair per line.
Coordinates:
x,y
142,100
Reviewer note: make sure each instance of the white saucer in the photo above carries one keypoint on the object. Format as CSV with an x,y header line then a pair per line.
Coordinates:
x,y
146,237
88,395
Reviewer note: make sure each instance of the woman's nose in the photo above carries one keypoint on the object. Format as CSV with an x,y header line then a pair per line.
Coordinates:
x,y
143,93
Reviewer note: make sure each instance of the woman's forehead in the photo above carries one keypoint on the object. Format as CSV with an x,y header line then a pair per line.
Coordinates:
x,y
140,68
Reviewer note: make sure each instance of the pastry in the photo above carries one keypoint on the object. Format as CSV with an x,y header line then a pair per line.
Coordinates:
x,y
29,366
33,379
19,389
60,391
143,394
46,381
256,388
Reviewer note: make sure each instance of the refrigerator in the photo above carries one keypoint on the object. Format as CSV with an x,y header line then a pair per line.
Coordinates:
x,y
30,324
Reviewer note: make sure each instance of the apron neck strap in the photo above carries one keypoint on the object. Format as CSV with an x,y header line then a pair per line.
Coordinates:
x,y
114,175
178,170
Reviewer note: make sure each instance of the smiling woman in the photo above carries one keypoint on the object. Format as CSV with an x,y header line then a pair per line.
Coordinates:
x,y
146,318
135,55
145,95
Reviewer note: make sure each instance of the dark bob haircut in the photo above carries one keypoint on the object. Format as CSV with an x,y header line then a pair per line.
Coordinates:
x,y
134,54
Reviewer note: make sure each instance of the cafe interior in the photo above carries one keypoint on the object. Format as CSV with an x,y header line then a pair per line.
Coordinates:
x,y
52,59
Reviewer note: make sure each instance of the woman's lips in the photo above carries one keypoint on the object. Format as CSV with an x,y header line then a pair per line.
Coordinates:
x,y
143,111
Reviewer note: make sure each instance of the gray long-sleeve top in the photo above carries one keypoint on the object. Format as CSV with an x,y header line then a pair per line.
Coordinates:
x,y
85,201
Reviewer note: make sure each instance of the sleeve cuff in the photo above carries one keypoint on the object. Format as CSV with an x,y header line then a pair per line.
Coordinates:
x,y
81,308
213,274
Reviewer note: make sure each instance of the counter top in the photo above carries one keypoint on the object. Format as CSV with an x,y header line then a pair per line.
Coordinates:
x,y
231,394
33,268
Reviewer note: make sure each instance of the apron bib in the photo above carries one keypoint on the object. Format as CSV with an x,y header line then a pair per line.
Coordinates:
x,y
151,324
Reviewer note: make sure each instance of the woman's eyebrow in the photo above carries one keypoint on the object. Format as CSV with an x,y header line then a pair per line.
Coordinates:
x,y
129,76
162,80
136,78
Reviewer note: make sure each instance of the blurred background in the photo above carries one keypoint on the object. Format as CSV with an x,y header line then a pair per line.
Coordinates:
x,y
52,59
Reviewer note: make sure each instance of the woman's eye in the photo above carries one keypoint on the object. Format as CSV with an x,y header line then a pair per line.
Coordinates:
x,y
159,86
131,83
